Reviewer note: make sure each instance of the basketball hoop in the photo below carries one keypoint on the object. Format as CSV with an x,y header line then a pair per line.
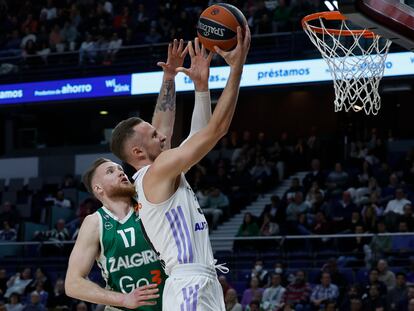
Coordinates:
x,y
356,60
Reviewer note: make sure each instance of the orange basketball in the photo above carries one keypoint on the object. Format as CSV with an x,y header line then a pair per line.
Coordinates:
x,y
217,25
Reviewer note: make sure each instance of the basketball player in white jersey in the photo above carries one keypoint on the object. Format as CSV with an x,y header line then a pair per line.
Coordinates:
x,y
107,181
170,213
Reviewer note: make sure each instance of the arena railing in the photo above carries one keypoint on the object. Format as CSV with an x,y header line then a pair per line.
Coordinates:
x,y
265,48
250,238
286,246
260,42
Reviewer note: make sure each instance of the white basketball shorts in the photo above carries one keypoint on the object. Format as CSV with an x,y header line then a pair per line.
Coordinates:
x,y
193,287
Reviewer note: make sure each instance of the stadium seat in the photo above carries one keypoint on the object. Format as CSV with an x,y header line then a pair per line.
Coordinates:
x,y
35,184
57,213
29,228
16,184
72,195
349,275
361,276
2,184
313,275
53,180
24,210
82,196
243,274
325,254
9,196
11,250
397,269
299,255
302,264
222,254
272,257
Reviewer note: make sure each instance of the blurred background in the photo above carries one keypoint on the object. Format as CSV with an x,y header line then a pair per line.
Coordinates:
x,y
295,194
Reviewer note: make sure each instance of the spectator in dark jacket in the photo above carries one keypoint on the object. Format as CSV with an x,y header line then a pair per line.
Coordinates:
x,y
314,175
34,304
342,212
373,280
3,282
8,233
353,293
374,302
398,293
404,304
275,209
58,298
408,216
9,214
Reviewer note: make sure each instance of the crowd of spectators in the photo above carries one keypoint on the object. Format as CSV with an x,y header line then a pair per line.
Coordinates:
x,y
364,194
361,194
242,168
239,169
97,29
377,289
29,290
39,209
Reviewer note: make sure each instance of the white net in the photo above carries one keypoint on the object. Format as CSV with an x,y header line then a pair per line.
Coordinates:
x,y
356,62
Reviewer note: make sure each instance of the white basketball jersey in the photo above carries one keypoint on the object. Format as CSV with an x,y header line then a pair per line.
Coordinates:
x,y
176,228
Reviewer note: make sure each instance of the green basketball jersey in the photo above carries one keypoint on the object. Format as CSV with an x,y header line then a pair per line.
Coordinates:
x,y
126,260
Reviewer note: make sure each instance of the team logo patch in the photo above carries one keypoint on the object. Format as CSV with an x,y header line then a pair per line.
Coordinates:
x,y
208,29
137,207
199,226
191,190
215,11
108,225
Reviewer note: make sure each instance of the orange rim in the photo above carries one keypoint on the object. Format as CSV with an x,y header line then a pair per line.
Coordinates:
x,y
333,15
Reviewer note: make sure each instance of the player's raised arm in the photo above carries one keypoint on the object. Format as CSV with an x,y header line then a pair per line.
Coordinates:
x,y
171,163
81,260
199,73
164,112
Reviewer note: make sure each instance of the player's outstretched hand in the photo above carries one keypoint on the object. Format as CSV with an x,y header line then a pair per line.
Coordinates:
x,y
175,59
141,296
199,70
237,57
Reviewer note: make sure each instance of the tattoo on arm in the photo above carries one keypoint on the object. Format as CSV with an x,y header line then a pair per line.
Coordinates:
x,y
166,99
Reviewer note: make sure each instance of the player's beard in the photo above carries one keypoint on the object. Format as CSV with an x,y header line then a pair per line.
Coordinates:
x,y
123,191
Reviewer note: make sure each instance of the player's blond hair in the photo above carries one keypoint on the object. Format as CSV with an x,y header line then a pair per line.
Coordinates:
x,y
90,172
122,132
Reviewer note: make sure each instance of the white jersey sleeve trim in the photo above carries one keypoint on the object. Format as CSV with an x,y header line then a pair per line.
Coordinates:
x,y
144,198
102,259
121,221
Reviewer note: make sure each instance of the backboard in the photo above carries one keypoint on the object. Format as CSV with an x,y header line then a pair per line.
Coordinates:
x,y
392,19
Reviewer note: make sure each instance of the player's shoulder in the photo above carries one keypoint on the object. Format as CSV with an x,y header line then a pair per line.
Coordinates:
x,y
92,219
89,233
90,225
139,174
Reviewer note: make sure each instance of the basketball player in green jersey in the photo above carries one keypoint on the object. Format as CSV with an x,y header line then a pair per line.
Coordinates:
x,y
112,235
